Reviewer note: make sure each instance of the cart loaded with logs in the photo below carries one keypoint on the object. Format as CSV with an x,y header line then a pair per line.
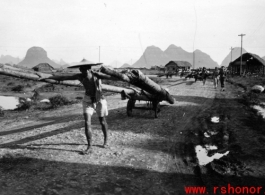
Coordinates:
x,y
146,89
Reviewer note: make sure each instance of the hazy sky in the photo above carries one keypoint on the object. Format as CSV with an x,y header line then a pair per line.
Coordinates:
x,y
73,29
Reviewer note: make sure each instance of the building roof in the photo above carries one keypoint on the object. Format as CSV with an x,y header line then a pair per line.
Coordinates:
x,y
179,63
249,58
43,65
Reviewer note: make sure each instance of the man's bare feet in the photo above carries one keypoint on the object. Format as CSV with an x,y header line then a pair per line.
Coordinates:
x,y
87,151
105,145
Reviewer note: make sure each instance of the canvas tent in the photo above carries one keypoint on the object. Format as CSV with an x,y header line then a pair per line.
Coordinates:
x,y
251,63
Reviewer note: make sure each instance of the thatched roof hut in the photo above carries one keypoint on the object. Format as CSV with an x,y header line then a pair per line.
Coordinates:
x,y
162,68
43,67
251,63
176,65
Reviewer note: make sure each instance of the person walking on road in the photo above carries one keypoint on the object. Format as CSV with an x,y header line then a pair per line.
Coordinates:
x,y
222,75
204,75
215,77
93,100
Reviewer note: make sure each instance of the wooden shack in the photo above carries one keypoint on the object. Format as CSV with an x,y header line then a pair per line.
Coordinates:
x,y
175,66
43,67
251,63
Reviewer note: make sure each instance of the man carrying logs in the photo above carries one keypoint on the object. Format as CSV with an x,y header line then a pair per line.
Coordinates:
x,y
93,100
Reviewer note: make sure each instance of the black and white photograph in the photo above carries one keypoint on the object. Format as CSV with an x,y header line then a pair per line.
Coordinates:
x,y
122,97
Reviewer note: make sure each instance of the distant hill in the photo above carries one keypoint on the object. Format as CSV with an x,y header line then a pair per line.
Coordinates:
x,y
35,56
9,59
153,56
115,64
61,62
263,57
236,52
203,60
125,65
130,62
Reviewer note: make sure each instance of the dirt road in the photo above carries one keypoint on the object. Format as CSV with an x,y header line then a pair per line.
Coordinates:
x,y
40,152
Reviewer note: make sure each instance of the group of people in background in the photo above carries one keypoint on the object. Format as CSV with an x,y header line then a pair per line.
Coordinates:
x,y
217,74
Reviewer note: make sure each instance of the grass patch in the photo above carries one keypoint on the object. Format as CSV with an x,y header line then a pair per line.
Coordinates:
x,y
58,101
24,106
247,82
17,88
250,99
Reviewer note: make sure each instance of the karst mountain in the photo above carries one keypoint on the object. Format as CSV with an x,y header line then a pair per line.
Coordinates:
x,y
9,59
154,56
35,56
236,52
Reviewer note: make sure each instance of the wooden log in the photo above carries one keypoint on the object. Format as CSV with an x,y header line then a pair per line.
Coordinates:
x,y
115,89
32,75
137,78
15,68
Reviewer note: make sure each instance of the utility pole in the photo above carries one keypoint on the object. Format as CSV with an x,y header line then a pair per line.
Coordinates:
x,y
99,54
193,59
231,54
241,35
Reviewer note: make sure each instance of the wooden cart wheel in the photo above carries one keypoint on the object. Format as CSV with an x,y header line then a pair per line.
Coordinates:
x,y
156,108
130,106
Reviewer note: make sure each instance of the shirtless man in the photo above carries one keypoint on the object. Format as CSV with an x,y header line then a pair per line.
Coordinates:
x,y
93,100
215,77
222,76
204,75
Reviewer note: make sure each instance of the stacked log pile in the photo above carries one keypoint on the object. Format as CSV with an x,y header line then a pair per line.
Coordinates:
x,y
149,90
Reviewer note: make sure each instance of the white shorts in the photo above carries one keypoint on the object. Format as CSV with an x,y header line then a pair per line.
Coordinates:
x,y
100,107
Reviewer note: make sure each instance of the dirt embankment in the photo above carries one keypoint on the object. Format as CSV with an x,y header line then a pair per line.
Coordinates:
x,y
40,152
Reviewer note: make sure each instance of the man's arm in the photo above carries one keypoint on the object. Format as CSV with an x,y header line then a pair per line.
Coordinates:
x,y
62,78
104,76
